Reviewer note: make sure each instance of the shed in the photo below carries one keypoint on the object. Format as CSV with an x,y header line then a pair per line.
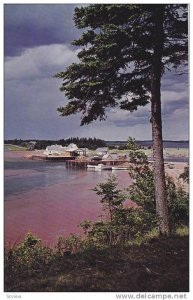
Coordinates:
x,y
82,151
54,149
109,156
102,151
71,147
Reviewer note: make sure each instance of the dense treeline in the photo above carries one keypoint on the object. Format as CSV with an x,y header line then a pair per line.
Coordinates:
x,y
91,143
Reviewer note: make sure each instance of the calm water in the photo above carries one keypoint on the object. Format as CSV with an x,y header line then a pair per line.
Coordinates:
x,y
49,199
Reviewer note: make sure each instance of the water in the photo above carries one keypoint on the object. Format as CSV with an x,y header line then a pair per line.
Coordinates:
x,y
172,144
172,159
49,199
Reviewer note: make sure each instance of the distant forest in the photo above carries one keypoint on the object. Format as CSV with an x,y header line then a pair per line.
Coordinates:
x,y
90,143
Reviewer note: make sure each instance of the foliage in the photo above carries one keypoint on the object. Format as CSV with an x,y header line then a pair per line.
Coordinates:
x,y
182,231
129,224
131,144
178,205
125,51
105,269
142,192
121,223
28,255
117,54
70,244
111,198
91,143
138,158
185,174
142,189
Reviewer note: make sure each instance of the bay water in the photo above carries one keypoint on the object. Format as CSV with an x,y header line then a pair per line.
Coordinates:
x,y
48,198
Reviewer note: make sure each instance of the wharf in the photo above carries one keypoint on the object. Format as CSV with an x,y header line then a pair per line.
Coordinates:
x,y
84,163
56,158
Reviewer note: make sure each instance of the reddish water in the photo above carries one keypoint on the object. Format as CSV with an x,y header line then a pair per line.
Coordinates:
x,y
48,199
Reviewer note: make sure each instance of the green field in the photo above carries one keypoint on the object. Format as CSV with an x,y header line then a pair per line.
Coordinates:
x,y
11,147
182,152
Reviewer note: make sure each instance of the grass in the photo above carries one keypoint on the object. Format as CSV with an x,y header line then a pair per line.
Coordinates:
x,y
11,147
182,152
182,231
159,265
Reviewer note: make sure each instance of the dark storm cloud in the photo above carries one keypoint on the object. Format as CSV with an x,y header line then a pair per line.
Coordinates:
x,y
175,96
174,81
37,46
30,25
169,108
122,118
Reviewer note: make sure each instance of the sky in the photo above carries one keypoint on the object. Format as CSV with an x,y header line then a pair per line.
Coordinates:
x,y
37,45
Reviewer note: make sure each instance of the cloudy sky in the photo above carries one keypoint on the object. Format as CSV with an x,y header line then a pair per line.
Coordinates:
x,y
36,46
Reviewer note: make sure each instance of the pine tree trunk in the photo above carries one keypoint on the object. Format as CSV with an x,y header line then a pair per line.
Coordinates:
x,y
156,119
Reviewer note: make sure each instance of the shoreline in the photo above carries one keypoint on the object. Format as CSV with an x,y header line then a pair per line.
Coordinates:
x,y
170,154
175,151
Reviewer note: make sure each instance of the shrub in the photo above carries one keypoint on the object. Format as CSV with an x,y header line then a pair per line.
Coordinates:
x,y
131,144
120,224
185,174
28,256
142,193
70,244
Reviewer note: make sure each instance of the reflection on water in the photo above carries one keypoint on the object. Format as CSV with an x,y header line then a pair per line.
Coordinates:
x,y
25,175
48,198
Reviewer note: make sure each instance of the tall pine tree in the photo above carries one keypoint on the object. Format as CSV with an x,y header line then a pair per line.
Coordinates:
x,y
124,53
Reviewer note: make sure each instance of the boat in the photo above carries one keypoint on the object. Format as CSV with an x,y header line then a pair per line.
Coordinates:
x,y
119,168
91,166
102,167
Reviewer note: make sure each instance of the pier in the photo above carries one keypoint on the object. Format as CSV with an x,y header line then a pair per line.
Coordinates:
x,y
83,163
74,162
56,158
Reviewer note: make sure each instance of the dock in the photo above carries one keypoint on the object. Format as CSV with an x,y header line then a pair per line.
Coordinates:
x,y
83,163
74,162
56,158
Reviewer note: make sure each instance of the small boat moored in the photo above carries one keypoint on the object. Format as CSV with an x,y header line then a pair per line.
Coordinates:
x,y
102,167
119,168
91,166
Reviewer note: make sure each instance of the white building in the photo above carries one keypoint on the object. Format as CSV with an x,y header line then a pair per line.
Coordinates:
x,y
82,151
54,149
109,156
59,150
71,147
102,151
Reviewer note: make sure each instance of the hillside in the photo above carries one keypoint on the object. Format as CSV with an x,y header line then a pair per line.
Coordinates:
x,y
162,265
11,147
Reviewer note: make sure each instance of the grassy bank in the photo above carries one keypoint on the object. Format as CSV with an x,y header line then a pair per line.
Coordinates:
x,y
161,265
11,147
176,152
